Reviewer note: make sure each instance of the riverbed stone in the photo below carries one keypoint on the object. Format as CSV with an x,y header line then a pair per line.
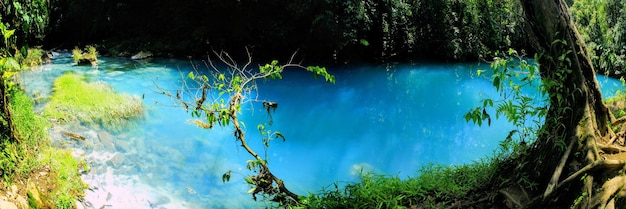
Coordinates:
x,y
116,160
106,140
123,146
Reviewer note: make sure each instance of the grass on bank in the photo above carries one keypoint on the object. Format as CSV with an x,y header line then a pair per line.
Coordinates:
x,y
437,186
74,99
33,161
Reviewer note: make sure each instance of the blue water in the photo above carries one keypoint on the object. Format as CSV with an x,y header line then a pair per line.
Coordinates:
x,y
389,120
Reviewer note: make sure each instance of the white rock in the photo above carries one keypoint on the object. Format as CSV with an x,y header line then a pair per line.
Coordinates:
x,y
7,205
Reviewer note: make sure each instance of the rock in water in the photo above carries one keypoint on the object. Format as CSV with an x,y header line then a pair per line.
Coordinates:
x,y
141,55
116,160
106,139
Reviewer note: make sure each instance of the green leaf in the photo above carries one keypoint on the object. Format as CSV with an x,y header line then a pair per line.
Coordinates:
x,y
487,102
10,63
496,82
191,75
512,51
249,180
8,33
364,42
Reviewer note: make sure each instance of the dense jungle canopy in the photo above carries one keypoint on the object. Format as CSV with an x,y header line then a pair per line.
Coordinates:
x,y
327,30
572,155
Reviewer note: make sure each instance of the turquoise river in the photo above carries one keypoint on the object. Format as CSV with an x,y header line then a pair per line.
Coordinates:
x,y
384,119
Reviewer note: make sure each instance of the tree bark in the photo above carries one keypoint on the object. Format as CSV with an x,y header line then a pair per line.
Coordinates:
x,y
576,109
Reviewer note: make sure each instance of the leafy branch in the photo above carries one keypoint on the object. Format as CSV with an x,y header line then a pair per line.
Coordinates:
x,y
216,97
510,75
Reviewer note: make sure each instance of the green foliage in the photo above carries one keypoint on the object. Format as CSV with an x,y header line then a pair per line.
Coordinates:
x,y
510,76
27,138
326,30
94,103
218,109
87,56
29,57
9,160
434,187
69,186
6,34
402,30
18,160
29,18
602,24
30,128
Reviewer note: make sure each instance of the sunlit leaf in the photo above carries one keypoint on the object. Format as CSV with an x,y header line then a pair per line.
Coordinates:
x,y
249,180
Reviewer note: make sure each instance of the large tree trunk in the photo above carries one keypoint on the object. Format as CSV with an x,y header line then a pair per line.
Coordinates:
x,y
577,126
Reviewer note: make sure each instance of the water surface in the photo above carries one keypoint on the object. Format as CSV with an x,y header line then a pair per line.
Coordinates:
x,y
389,120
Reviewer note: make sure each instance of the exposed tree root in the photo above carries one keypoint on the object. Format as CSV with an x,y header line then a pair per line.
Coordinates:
x,y
619,135
557,173
611,148
606,197
609,188
619,121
